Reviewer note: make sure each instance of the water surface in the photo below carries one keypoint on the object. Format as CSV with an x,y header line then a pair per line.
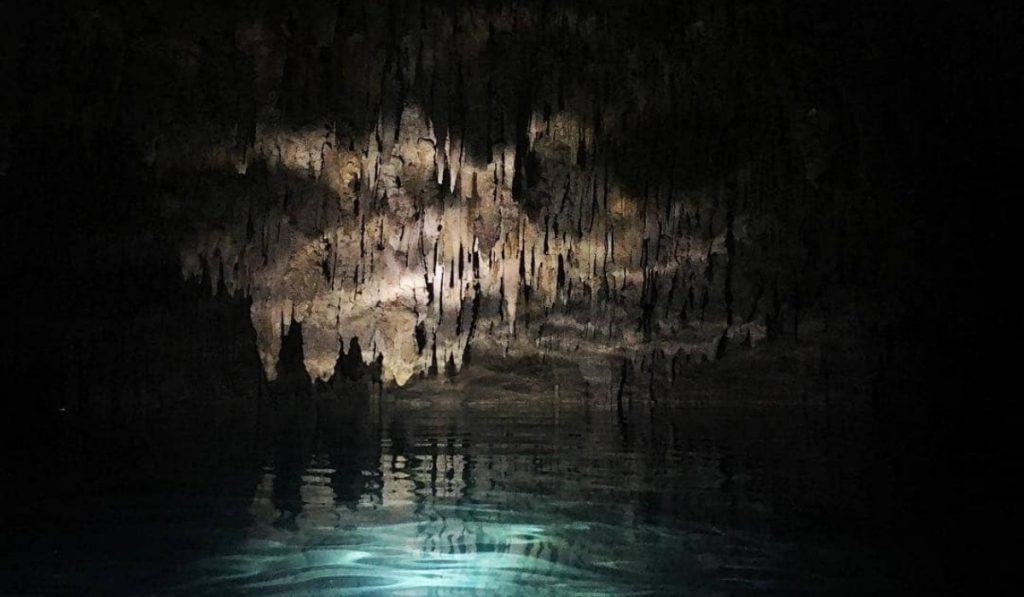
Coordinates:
x,y
491,483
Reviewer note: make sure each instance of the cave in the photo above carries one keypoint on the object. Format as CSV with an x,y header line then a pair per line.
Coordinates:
x,y
505,297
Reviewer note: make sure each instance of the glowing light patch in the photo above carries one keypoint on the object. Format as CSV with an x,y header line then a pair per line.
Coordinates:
x,y
444,550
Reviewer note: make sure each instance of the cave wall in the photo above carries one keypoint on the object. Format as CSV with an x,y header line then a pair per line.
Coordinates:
x,y
437,178
429,177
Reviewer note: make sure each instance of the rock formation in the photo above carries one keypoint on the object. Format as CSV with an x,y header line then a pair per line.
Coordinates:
x,y
440,179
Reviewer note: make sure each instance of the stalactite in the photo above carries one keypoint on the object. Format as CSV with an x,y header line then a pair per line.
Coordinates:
x,y
450,143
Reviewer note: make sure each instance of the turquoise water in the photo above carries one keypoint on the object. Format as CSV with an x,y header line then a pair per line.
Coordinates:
x,y
453,549
468,488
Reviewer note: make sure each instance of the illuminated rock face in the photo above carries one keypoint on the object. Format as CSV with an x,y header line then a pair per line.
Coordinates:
x,y
437,180
476,186
418,271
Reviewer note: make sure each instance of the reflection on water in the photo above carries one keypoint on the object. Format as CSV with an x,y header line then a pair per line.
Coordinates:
x,y
481,485
471,488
